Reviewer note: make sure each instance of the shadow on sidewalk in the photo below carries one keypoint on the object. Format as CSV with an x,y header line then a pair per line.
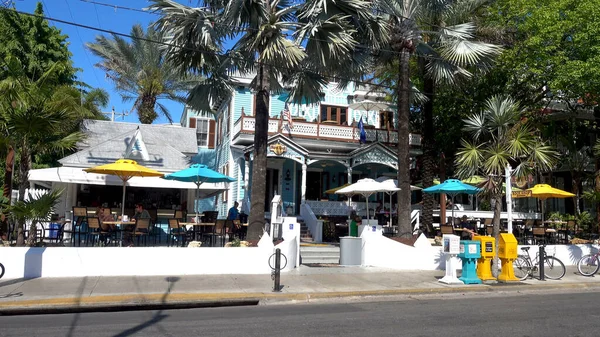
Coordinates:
x,y
78,296
157,317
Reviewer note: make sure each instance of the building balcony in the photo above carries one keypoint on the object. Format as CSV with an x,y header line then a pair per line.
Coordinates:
x,y
321,131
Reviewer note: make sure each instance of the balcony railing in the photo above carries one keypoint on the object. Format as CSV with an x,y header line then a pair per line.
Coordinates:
x,y
322,131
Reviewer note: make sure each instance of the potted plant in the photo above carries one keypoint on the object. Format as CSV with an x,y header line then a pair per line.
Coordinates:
x,y
34,211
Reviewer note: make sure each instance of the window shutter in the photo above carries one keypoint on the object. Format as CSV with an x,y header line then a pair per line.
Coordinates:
x,y
211,134
192,123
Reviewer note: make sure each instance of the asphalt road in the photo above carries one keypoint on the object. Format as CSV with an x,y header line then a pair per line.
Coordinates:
x,y
558,314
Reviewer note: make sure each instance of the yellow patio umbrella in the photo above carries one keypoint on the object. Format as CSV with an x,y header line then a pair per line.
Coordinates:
x,y
543,192
124,169
335,189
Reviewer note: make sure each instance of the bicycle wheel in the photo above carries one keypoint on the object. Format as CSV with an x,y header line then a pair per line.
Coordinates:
x,y
554,269
588,265
1,270
522,268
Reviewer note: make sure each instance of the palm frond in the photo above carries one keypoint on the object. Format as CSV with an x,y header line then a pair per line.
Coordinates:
x,y
469,159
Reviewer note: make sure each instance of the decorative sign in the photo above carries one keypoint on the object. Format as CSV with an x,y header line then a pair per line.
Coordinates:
x,y
521,194
278,148
489,247
291,226
451,244
374,228
473,249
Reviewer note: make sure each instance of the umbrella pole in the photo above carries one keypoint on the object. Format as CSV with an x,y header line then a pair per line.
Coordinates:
x,y
452,199
122,212
196,200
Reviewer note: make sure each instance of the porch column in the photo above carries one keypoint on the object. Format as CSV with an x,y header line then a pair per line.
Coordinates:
x,y
246,175
349,175
303,188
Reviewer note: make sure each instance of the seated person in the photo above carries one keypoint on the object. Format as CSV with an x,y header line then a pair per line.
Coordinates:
x,y
103,215
140,213
469,229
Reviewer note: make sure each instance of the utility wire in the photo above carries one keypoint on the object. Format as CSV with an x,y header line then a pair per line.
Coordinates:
x,y
247,29
87,56
217,54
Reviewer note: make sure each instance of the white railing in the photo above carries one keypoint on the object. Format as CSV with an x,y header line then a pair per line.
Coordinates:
x,y
36,193
415,217
314,225
246,124
333,208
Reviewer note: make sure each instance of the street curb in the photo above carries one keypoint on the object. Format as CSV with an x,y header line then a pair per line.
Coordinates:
x,y
208,300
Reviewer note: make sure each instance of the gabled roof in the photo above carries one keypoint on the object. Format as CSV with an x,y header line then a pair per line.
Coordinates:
x,y
180,138
169,147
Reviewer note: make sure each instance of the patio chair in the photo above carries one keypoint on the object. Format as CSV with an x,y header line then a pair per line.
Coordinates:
x,y
142,229
176,232
95,232
539,235
446,229
77,225
179,215
220,231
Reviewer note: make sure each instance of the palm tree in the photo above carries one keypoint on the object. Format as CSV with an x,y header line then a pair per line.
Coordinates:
x,y
282,43
501,136
37,118
140,73
442,35
37,209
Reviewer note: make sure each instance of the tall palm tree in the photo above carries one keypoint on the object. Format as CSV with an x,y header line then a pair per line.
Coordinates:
x,y
441,33
283,44
500,136
37,118
140,72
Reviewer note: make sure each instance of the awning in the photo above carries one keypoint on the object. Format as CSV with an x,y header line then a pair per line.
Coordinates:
x,y
76,175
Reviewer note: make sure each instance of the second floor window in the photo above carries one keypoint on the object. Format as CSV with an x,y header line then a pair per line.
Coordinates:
x,y
202,132
334,113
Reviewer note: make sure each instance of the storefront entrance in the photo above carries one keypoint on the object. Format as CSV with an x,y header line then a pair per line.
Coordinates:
x,y
272,187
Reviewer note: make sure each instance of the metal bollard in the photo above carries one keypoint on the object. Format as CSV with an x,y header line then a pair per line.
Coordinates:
x,y
542,259
277,271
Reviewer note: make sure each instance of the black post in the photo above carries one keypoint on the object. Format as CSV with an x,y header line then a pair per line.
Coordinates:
x,y
277,271
542,259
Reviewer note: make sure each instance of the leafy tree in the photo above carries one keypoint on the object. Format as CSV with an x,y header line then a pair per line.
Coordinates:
x,y
37,117
501,136
140,72
283,44
35,43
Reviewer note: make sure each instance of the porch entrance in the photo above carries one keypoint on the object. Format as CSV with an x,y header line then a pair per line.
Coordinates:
x,y
272,187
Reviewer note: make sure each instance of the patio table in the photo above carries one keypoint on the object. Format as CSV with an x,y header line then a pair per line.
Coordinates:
x,y
119,224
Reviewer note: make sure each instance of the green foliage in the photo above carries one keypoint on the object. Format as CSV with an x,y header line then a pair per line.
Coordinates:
x,y
35,210
36,44
141,73
585,221
553,46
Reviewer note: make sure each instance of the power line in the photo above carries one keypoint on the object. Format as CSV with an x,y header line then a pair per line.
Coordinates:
x,y
83,45
217,54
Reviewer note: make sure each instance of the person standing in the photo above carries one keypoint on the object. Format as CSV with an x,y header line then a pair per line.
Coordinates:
x,y
233,213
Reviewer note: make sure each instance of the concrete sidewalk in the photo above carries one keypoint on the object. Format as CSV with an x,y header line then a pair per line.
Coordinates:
x,y
49,295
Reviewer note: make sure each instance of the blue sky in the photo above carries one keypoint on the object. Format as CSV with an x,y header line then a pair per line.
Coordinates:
x,y
119,20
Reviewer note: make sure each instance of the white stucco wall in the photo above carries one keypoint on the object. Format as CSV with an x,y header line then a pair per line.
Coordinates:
x,y
379,251
21,262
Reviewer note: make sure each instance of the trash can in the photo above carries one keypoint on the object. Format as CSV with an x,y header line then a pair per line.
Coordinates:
x,y
53,231
350,251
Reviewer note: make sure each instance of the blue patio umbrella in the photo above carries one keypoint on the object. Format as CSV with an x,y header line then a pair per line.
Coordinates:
x,y
452,187
198,174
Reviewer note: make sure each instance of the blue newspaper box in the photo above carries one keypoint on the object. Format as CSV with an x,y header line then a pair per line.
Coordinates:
x,y
469,253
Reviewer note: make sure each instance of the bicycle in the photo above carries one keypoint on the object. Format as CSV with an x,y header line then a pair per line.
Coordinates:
x,y
524,266
589,264
1,270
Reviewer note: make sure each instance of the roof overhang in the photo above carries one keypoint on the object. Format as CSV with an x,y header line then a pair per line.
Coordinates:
x,y
76,175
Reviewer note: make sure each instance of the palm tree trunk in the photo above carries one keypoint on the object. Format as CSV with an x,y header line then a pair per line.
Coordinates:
x,y
428,151
8,173
256,219
24,167
404,223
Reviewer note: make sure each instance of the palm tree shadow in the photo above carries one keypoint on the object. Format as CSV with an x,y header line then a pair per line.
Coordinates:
x,y
76,317
156,318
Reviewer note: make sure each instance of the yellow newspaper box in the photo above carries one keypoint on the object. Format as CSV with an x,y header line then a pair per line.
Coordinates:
x,y
484,263
507,252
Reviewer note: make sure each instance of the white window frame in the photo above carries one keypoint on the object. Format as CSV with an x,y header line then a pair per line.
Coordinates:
x,y
202,141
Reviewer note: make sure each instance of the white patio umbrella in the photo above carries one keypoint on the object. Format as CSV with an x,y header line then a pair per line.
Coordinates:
x,y
365,187
391,187
368,105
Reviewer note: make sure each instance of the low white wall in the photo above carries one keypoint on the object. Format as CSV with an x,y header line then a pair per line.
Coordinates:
x,y
380,251
21,262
